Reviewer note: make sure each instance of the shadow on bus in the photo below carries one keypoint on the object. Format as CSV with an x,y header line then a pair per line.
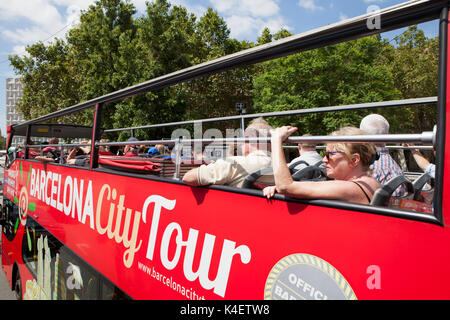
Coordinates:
x,y
199,194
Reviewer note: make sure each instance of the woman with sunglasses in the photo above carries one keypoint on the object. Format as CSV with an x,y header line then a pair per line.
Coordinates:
x,y
347,163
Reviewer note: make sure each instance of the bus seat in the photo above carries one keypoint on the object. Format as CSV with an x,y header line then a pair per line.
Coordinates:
x,y
128,165
310,173
384,193
168,166
296,163
259,179
419,184
383,197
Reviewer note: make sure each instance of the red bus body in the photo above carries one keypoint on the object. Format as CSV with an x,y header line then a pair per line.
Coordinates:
x,y
375,256
160,239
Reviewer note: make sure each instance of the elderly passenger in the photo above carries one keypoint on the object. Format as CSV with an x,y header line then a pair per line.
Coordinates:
x,y
347,163
307,153
385,168
232,171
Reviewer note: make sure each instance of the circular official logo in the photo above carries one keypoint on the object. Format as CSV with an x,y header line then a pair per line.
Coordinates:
x,y
306,277
23,205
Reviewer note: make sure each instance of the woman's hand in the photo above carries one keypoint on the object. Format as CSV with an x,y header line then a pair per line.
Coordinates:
x,y
282,133
269,192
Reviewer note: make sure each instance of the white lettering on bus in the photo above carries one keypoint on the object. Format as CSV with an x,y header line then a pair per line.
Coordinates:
x,y
68,206
128,242
77,198
47,178
229,249
123,226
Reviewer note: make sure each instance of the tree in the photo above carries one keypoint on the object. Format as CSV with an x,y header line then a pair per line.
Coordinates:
x,y
2,143
414,64
165,43
341,74
265,37
216,95
110,50
48,77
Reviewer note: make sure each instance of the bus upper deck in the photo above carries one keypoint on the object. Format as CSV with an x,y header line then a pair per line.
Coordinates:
x,y
220,242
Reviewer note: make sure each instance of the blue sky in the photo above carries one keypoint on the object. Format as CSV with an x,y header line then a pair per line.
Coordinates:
x,y
24,22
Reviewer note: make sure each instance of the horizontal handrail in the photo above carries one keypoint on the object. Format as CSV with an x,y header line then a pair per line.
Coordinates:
x,y
424,138
369,105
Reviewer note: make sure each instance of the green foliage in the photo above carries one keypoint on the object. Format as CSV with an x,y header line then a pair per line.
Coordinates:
x,y
414,69
342,74
47,75
2,143
112,49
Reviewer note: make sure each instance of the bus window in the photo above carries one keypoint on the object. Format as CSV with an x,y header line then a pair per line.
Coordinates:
x,y
12,219
58,273
111,292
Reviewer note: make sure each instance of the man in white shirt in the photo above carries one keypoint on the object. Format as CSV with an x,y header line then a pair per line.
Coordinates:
x,y
232,171
308,153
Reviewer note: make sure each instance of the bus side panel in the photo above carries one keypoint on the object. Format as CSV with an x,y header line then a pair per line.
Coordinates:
x,y
446,164
6,263
8,249
12,233
158,240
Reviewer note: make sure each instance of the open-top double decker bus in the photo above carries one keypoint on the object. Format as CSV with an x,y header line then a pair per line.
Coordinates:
x,y
118,229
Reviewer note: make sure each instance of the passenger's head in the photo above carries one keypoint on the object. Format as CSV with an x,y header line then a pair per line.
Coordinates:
x,y
131,147
345,158
258,128
104,148
161,148
375,124
53,141
306,146
86,149
153,152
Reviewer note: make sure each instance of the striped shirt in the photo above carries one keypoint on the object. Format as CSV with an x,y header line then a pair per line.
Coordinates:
x,y
385,168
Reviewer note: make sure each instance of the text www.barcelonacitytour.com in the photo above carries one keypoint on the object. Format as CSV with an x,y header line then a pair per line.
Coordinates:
x,y
169,282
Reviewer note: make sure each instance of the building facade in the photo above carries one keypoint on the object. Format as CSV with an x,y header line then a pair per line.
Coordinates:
x,y
13,94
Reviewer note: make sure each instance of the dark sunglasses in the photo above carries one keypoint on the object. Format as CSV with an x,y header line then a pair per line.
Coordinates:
x,y
327,153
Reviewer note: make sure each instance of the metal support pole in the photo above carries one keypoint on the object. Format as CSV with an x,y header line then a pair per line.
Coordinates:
x,y
178,149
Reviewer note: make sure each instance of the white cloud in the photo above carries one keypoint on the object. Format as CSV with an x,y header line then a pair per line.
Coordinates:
x,y
196,9
19,50
309,5
26,35
38,12
255,8
39,20
343,16
246,27
247,18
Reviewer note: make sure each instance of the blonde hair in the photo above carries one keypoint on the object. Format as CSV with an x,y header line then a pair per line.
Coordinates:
x,y
161,148
366,150
104,148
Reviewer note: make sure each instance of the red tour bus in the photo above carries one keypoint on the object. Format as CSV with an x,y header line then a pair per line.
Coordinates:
x,y
103,227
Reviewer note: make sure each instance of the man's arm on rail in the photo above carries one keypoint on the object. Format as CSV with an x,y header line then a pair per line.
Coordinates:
x,y
191,177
